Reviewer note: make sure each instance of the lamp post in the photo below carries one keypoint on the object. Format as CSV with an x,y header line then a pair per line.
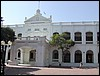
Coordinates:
x,y
4,51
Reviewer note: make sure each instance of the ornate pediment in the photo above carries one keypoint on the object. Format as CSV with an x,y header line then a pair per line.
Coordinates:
x,y
38,18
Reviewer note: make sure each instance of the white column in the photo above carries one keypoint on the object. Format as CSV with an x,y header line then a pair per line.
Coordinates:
x,y
72,36
94,37
6,55
95,57
72,57
21,56
84,57
72,33
83,38
60,56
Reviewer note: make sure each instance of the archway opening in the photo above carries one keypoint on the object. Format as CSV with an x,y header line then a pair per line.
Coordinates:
x,y
9,54
55,56
66,56
32,55
78,56
89,56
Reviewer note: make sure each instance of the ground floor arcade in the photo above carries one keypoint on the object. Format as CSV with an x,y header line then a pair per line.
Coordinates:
x,y
55,57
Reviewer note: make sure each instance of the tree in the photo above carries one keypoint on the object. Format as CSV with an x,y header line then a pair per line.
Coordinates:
x,y
7,34
61,41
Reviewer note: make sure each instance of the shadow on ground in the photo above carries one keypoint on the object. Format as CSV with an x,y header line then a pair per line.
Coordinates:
x,y
69,67
19,71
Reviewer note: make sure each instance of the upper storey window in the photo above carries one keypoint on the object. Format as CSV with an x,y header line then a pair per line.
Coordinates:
x,y
89,36
36,29
78,36
29,30
45,29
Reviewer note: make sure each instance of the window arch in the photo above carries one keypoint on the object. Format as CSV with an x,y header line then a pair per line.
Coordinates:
x,y
20,35
55,33
55,55
78,56
66,56
32,55
78,36
89,56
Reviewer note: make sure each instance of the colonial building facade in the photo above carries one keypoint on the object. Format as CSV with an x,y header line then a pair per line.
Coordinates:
x,y
32,47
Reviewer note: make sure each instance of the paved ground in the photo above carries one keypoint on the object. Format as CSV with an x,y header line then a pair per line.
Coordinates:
x,y
24,70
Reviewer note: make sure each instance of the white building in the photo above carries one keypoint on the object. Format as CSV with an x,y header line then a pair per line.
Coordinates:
x,y
32,46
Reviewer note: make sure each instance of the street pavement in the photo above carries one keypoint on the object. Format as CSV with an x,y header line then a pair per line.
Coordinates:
x,y
27,70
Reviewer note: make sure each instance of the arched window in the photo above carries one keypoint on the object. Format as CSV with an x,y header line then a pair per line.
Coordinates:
x,y
20,35
89,56
19,53
78,56
78,36
68,35
55,55
66,56
89,36
55,33
32,55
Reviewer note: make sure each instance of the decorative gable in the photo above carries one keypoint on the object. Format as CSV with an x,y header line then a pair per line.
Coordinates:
x,y
38,18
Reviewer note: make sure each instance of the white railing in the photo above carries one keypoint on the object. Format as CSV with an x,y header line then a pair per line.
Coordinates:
x,y
76,23
36,38
16,25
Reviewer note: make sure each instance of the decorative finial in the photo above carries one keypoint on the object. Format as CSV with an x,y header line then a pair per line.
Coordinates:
x,y
38,4
38,10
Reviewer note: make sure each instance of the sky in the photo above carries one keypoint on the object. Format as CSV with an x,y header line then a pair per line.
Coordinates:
x,y
14,12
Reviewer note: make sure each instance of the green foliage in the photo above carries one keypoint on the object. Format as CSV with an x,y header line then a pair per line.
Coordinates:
x,y
7,34
61,41
70,42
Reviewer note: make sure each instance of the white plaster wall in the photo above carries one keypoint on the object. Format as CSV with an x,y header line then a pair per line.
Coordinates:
x,y
83,48
40,54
